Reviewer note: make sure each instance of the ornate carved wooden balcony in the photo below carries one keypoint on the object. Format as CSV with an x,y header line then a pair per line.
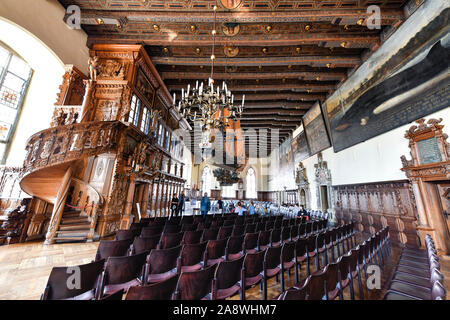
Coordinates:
x,y
67,143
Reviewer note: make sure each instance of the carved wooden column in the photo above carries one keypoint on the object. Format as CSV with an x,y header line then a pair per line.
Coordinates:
x,y
58,207
127,216
145,199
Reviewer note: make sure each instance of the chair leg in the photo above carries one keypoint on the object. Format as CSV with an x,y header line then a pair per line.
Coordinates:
x,y
317,261
282,280
308,271
352,292
264,284
326,257
361,292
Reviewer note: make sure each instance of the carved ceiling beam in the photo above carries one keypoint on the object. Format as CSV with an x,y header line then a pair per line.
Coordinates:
x,y
315,61
281,96
271,116
271,87
279,112
277,104
321,76
173,39
344,16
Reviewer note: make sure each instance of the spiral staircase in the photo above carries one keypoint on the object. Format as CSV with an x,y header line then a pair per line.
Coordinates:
x,y
54,157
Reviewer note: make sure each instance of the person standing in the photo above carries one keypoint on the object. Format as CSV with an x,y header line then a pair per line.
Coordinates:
x,y
220,205
181,202
205,205
240,209
174,205
251,208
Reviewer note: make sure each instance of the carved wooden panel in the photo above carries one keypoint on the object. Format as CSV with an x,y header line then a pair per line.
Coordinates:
x,y
374,205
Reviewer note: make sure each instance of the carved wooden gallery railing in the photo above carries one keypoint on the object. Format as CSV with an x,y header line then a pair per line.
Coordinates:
x,y
63,144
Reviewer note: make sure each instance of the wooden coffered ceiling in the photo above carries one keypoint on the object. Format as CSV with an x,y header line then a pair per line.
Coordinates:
x,y
283,55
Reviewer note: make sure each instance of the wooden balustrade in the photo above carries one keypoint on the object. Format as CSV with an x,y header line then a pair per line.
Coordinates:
x,y
67,143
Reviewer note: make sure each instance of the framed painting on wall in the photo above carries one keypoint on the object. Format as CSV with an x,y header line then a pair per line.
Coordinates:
x,y
315,129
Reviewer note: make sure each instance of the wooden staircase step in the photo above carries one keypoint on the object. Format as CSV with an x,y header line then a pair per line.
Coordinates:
x,y
81,232
70,239
78,226
74,220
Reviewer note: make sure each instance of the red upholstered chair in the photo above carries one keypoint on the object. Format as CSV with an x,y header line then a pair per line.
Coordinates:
x,y
272,266
112,248
126,234
286,234
235,248
253,270
157,291
195,285
228,279
224,232
251,242
250,228
210,234
192,237
296,294
122,273
275,238
301,255
161,264
288,261
170,240
192,257
57,287
188,227
321,250
118,295
215,251
238,230
144,244
264,239
151,231
332,280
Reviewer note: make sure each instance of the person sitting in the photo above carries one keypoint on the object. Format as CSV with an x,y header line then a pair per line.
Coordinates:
x,y
302,212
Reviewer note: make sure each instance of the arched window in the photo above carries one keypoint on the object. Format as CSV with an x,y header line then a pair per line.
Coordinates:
x,y
15,75
206,181
251,184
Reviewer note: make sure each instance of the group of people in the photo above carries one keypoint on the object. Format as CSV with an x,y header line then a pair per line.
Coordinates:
x,y
178,204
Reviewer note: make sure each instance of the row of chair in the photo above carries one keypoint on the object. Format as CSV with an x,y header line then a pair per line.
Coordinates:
x,y
161,265
417,275
330,282
128,243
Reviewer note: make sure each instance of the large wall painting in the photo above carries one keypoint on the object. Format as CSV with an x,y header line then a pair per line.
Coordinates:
x,y
421,86
316,132
299,146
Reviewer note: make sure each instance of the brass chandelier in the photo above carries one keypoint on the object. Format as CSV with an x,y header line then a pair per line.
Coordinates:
x,y
205,104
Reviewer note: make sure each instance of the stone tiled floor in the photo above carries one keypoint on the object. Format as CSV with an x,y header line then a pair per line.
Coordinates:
x,y
24,270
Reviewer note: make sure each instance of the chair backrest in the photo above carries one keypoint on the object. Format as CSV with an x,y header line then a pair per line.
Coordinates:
x,y
57,287
250,228
353,262
192,254
302,229
272,259
126,234
158,291
151,231
275,236
188,227
170,240
240,220
320,240
238,230
301,247
269,225
187,220
235,244
172,228
311,244
163,260
288,252
332,277
254,263
210,234
191,237
216,248
228,223
296,294
264,238
286,233
285,223
112,248
195,285
278,224
294,231
228,274
225,232
118,295
124,269
251,240
316,288
145,244
344,266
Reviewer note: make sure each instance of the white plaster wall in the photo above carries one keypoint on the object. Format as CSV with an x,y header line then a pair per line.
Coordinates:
x,y
44,19
374,160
